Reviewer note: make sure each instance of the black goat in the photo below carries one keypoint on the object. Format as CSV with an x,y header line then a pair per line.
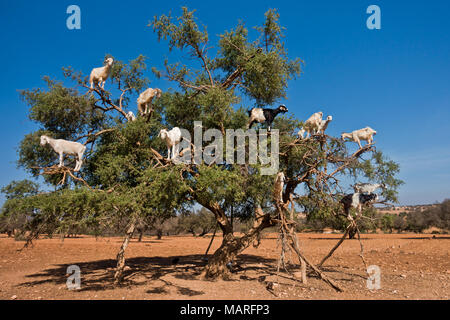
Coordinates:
x,y
261,115
356,200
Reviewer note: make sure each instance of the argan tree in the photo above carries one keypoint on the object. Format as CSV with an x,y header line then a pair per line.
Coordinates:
x,y
126,178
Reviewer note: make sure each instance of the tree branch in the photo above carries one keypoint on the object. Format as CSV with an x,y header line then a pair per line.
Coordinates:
x,y
106,100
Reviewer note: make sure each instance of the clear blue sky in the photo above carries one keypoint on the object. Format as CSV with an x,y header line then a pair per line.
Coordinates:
x,y
395,80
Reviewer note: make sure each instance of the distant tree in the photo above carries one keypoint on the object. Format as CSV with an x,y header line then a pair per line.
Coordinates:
x,y
400,223
437,215
20,189
387,222
200,222
371,223
12,216
415,221
444,214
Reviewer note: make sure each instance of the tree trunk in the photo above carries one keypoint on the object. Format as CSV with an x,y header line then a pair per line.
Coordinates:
x,y
121,254
292,230
229,249
232,246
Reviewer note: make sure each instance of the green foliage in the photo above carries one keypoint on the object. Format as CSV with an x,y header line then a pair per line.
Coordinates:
x,y
130,75
387,222
61,110
20,189
61,113
260,74
185,34
12,216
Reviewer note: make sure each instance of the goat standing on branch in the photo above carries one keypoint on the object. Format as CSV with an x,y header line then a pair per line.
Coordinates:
x,y
357,200
313,124
61,146
100,75
365,134
130,116
171,138
324,125
144,102
366,187
261,115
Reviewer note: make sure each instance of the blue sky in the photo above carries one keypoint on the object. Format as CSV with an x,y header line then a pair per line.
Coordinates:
x,y
395,80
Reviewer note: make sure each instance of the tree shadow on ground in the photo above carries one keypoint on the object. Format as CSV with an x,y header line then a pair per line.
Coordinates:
x,y
436,237
338,238
340,272
99,275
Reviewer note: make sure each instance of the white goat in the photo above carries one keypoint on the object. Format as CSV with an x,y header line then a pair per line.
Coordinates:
x,y
62,147
131,116
365,134
144,102
312,125
172,138
366,187
324,124
301,133
280,180
100,75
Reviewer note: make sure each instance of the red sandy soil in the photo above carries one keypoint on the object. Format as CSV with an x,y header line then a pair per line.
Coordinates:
x,y
412,267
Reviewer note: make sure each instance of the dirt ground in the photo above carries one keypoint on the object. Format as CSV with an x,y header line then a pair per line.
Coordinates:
x,y
412,267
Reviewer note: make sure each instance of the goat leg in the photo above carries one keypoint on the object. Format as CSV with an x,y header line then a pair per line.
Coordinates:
x,y
175,151
61,160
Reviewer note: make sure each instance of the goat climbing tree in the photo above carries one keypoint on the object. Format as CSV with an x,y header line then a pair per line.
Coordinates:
x,y
125,178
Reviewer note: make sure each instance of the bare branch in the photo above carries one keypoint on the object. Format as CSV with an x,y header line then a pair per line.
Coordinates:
x,y
95,135
104,96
